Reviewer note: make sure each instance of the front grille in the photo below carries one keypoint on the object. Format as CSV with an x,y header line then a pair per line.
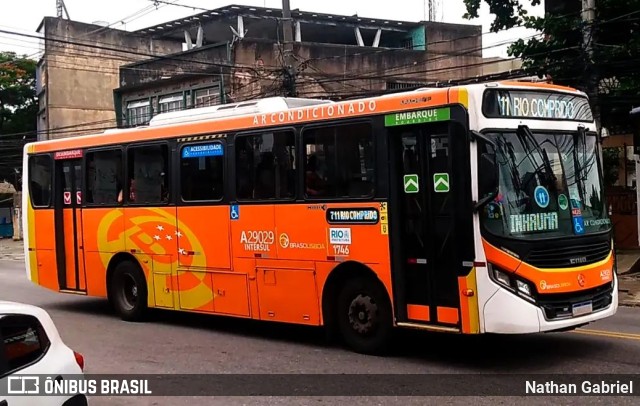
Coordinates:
x,y
573,255
559,305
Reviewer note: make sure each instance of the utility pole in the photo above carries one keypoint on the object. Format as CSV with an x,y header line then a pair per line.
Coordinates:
x,y
289,62
431,10
591,71
60,8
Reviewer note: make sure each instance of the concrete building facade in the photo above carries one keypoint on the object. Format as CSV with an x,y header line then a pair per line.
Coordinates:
x,y
93,77
79,70
236,53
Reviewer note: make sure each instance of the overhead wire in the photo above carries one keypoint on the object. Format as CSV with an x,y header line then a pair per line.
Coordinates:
x,y
255,80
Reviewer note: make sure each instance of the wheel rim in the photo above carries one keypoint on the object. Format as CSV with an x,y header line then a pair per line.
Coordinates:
x,y
363,315
129,292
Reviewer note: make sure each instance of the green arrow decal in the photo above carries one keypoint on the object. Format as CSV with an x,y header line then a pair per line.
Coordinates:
x,y
411,184
441,182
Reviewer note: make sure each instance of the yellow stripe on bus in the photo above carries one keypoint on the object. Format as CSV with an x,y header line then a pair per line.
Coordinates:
x,y
469,304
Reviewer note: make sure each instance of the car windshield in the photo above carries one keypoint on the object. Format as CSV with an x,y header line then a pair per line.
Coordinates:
x,y
550,185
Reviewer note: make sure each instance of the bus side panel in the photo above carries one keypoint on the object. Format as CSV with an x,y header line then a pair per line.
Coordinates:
x,y
205,229
287,291
210,226
44,236
152,236
103,232
252,236
242,266
331,233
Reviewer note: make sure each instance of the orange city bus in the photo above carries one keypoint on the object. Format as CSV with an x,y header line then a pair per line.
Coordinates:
x,y
470,209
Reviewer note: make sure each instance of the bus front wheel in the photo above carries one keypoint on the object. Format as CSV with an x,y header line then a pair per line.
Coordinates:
x,y
364,315
129,291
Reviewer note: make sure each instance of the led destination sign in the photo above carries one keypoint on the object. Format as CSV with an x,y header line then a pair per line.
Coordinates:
x,y
535,105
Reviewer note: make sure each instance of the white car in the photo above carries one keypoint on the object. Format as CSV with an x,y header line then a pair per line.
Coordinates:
x,y
30,345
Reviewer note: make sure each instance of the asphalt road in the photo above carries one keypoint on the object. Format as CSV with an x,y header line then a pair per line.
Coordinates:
x,y
179,343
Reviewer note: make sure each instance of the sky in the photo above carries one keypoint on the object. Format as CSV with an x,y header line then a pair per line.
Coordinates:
x,y
24,16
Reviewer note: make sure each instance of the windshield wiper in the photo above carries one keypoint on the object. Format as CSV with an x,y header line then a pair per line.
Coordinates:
x,y
525,131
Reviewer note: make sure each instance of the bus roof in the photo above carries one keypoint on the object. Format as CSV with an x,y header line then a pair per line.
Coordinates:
x,y
277,111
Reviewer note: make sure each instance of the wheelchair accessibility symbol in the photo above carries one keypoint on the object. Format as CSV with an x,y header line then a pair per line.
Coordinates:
x,y
235,212
578,225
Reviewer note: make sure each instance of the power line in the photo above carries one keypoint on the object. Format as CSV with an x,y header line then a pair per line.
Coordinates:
x,y
138,53
427,44
135,16
364,76
179,5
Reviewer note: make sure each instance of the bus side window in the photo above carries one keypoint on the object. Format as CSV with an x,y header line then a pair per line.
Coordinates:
x,y
265,166
104,177
148,174
339,161
201,175
40,180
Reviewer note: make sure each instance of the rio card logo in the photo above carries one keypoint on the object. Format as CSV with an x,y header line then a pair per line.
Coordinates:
x,y
581,280
340,236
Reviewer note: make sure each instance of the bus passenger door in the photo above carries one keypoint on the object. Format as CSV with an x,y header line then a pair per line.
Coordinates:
x,y
426,244
68,225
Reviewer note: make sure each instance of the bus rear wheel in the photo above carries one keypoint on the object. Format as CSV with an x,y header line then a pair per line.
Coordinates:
x,y
364,315
128,291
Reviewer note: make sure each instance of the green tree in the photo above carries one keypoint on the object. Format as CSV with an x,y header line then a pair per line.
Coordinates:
x,y
559,52
18,111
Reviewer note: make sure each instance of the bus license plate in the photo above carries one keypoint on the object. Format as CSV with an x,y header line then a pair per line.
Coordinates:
x,y
582,308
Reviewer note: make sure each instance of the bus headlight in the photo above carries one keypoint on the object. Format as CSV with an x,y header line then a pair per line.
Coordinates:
x,y
523,287
503,278
513,283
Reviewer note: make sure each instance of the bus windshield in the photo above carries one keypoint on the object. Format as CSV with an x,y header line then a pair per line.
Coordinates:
x,y
550,185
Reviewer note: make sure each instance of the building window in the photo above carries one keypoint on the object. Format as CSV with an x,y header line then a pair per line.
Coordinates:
x,y
40,175
188,96
172,102
138,112
202,172
207,97
405,85
339,161
104,177
148,174
407,43
265,166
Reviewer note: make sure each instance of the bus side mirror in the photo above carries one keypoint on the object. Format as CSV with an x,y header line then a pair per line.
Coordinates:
x,y
487,179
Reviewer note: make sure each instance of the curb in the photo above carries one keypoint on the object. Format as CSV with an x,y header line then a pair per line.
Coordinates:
x,y
11,258
630,304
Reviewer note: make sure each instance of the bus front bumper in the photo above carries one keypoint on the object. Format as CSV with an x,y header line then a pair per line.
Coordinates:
x,y
506,313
